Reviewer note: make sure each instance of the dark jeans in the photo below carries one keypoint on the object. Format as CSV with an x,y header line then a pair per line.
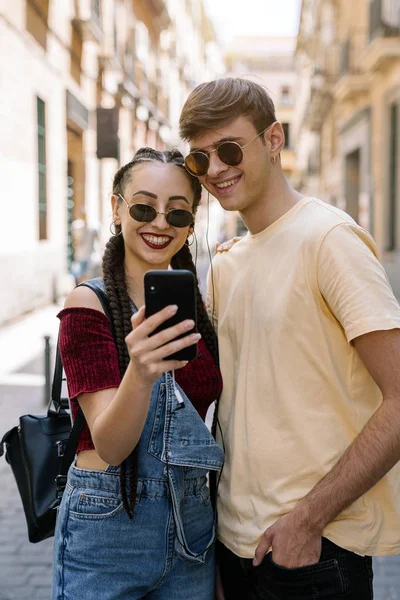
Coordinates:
x,y
339,575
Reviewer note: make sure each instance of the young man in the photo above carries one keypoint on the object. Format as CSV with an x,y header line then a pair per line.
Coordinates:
x,y
309,338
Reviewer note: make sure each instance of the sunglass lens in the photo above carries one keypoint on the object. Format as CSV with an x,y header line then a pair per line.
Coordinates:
x,y
230,153
142,213
197,163
179,218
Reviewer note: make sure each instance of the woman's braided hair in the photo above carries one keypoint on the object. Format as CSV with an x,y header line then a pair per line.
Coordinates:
x,y
117,292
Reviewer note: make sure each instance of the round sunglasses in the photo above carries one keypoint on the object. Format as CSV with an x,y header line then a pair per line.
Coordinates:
x,y
144,213
230,153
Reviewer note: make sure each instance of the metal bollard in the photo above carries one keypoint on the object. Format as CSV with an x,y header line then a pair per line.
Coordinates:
x,y
47,375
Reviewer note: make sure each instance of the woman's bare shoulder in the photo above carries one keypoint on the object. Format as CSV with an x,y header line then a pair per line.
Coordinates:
x,y
83,296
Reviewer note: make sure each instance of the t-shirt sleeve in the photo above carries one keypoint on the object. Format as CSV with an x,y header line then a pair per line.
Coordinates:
x,y
88,351
354,283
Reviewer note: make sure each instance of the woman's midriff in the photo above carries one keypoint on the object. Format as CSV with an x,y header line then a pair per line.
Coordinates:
x,y
89,459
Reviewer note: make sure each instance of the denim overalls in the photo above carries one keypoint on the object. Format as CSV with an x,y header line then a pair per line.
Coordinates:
x,y
166,552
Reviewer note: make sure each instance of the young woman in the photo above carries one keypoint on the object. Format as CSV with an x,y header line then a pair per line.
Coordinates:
x,y
136,519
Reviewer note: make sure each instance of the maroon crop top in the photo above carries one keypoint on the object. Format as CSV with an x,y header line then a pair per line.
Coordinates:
x,y
90,361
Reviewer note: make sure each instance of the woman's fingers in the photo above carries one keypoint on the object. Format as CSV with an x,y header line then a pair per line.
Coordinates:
x,y
175,346
151,323
226,246
146,343
138,317
158,347
171,365
167,335
148,352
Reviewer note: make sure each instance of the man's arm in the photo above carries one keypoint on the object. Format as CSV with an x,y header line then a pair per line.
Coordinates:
x,y
296,537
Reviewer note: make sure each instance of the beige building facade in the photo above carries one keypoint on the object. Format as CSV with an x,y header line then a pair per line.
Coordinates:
x,y
270,62
85,83
267,60
348,122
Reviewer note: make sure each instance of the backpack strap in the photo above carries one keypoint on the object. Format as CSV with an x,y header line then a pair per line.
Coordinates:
x,y
98,287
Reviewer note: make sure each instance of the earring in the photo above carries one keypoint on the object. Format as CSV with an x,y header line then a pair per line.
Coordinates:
x,y
113,224
191,241
273,159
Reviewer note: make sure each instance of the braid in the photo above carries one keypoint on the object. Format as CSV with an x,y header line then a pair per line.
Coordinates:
x,y
117,294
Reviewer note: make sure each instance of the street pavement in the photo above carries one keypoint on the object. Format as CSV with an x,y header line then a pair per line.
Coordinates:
x,y
25,568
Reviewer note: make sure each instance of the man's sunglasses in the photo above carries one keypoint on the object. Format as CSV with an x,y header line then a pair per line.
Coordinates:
x,y
230,153
144,213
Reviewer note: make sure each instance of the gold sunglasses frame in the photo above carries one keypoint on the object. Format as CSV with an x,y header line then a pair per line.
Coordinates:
x,y
207,154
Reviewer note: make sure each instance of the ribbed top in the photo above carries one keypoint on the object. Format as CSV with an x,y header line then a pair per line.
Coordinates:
x,y
90,361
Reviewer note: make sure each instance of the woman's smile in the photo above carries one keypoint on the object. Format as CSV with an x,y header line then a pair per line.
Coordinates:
x,y
156,241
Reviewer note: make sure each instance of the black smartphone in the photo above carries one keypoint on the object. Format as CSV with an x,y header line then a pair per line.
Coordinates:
x,y
162,288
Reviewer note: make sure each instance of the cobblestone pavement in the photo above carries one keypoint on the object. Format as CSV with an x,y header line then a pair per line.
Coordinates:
x,y
25,569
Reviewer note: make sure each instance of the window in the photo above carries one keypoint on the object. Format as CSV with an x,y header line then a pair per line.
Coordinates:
x,y
286,96
37,12
76,53
42,191
286,131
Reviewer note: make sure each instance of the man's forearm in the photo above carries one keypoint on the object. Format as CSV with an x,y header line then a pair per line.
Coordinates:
x,y
372,454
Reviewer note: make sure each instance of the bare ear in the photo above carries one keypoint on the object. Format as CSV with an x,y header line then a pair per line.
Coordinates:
x,y
115,205
276,138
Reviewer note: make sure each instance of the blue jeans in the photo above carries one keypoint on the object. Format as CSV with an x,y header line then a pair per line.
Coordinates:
x,y
100,554
339,575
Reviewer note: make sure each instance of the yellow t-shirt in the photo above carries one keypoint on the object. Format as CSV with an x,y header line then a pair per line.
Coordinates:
x,y
287,302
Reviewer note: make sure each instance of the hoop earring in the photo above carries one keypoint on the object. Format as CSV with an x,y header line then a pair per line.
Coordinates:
x,y
192,240
273,159
114,232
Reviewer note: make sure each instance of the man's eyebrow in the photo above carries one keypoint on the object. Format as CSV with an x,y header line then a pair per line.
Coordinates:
x,y
230,138
154,196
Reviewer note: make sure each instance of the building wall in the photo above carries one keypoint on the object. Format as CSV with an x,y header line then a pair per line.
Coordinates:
x,y
57,50
352,134
270,61
30,267
267,60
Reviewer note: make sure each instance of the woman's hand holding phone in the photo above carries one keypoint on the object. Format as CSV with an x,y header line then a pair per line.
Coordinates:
x,y
148,352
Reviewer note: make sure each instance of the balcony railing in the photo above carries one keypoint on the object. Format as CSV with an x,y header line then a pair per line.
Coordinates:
x,y
326,64
345,57
384,18
350,52
89,19
96,13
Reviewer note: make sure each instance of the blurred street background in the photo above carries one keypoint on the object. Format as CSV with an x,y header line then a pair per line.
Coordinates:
x,y
85,83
